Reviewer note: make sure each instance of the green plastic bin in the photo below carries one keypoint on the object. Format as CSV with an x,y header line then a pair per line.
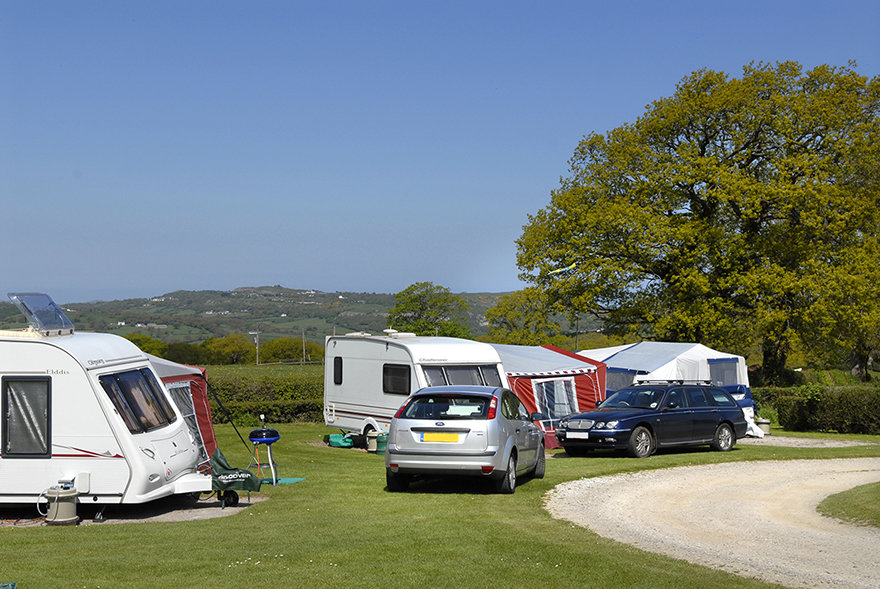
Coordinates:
x,y
381,443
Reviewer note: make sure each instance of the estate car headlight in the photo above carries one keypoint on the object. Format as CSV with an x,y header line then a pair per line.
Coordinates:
x,y
607,424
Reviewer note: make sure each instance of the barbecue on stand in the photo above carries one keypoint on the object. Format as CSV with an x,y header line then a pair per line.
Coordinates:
x,y
264,436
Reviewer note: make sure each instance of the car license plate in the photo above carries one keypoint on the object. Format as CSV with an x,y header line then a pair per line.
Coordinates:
x,y
439,437
578,435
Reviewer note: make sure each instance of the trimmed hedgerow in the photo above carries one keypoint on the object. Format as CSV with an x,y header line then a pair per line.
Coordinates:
x,y
248,412
282,393
849,410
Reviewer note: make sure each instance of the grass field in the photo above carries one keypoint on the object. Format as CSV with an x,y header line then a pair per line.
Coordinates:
x,y
340,528
860,505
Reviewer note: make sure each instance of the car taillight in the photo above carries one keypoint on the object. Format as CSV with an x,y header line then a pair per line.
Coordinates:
x,y
487,469
493,407
400,411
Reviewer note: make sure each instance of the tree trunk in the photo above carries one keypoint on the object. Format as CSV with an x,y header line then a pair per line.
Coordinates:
x,y
773,367
859,363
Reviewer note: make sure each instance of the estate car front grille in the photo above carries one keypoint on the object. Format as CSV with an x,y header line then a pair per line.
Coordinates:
x,y
580,424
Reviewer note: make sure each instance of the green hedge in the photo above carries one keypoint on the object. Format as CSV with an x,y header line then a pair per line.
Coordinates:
x,y
283,394
248,413
846,410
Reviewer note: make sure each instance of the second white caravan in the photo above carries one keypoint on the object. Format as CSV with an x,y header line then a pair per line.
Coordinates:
x,y
367,378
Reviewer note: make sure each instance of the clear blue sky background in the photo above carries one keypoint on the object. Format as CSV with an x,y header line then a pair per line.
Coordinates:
x,y
147,147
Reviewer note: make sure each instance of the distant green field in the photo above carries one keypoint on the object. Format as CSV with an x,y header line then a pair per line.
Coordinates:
x,y
267,370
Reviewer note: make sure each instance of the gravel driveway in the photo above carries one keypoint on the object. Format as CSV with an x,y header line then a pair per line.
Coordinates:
x,y
755,519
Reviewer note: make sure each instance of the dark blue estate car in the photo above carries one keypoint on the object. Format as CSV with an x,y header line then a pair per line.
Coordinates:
x,y
642,418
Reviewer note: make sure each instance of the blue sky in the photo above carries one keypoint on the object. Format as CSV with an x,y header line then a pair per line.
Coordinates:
x,y
147,147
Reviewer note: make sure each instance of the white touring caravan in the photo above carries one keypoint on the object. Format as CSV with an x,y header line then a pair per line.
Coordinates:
x,y
367,378
86,411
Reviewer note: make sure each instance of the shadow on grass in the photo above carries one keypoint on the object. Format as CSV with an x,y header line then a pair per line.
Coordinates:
x,y
173,508
610,453
456,485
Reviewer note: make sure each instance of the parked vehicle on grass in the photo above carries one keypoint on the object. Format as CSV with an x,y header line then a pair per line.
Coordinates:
x,y
368,377
642,418
464,430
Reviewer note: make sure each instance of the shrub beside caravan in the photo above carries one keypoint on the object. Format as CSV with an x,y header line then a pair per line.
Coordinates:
x,y
367,378
87,411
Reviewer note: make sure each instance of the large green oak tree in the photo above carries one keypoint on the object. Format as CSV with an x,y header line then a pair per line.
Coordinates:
x,y
736,212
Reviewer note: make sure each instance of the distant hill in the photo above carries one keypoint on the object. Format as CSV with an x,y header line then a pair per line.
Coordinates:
x,y
274,311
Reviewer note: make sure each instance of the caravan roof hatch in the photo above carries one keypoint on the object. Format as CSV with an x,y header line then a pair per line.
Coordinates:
x,y
42,313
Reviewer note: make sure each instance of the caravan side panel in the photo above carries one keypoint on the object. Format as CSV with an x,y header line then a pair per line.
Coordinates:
x,y
357,374
82,444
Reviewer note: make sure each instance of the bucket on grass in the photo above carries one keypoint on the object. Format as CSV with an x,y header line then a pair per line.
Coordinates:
x,y
381,443
62,506
372,443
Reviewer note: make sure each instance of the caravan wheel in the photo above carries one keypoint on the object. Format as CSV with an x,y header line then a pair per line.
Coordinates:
x,y
229,499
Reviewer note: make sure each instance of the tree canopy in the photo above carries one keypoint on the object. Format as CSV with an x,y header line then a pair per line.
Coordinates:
x,y
523,317
428,309
288,349
735,212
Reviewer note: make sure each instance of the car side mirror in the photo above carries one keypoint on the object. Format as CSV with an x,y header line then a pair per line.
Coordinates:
x,y
671,405
538,416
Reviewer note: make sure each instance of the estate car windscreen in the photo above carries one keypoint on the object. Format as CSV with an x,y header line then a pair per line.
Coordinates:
x,y
447,407
640,398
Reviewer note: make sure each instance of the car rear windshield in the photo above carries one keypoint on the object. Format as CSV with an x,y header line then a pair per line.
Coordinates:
x,y
447,407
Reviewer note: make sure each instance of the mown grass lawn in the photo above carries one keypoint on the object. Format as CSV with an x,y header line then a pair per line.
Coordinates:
x,y
860,505
340,528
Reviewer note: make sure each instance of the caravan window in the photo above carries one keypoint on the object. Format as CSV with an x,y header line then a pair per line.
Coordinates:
x,y
26,417
139,399
722,371
555,398
396,379
616,379
463,375
181,392
337,370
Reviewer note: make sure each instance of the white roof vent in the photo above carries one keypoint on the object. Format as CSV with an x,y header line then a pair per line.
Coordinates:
x,y
397,334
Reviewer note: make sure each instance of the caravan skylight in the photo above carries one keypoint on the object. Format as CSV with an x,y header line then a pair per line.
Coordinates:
x,y
42,313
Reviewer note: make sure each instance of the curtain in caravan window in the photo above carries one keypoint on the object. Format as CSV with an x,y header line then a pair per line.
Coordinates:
x,y
26,417
722,371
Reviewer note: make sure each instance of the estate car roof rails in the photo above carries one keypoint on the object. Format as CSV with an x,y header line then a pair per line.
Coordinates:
x,y
676,381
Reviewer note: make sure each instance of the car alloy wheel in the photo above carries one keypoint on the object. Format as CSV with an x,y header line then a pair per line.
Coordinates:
x,y
723,441
641,443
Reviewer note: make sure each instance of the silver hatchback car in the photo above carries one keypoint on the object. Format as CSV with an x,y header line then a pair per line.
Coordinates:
x,y
464,430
